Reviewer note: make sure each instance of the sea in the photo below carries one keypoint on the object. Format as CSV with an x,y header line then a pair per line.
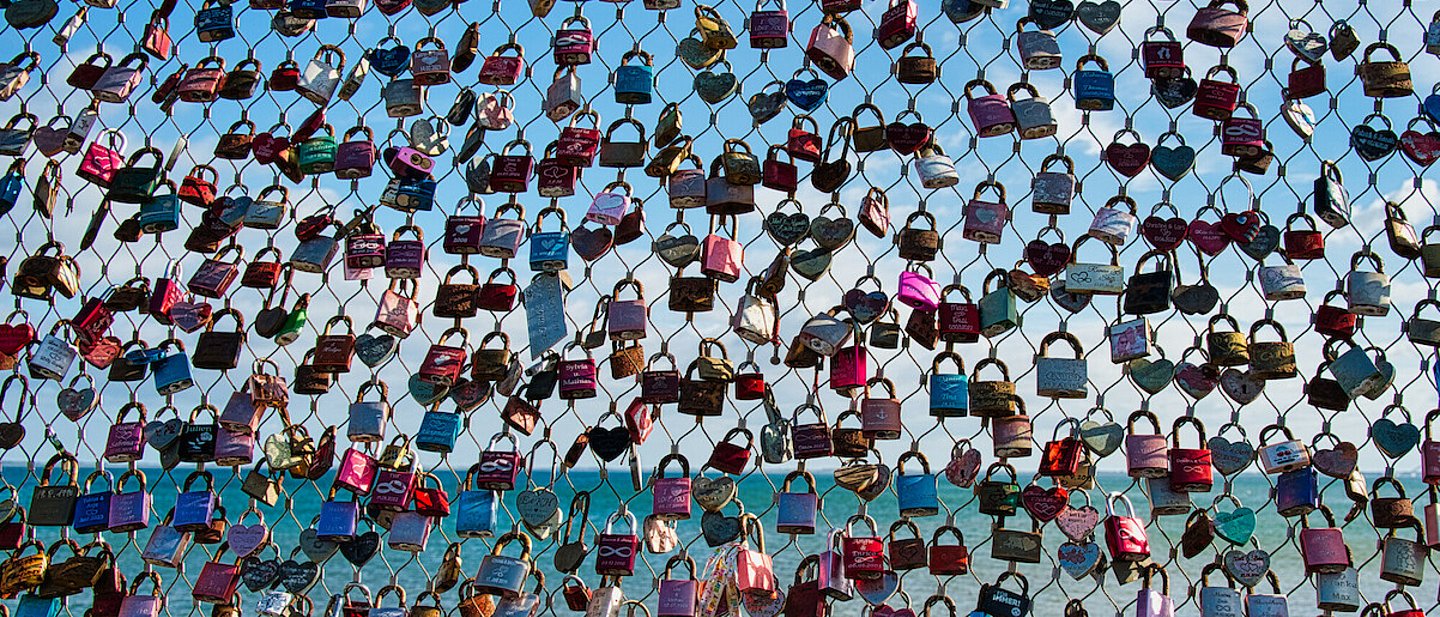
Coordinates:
x,y
1050,587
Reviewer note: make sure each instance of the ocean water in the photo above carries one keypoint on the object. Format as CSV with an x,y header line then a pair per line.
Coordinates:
x,y
1050,587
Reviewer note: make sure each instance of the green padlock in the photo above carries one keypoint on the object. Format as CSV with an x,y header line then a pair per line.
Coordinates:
x,y
317,154
998,313
295,321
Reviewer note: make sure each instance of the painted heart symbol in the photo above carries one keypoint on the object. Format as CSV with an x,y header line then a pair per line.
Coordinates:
x,y
1241,386
1229,457
1128,160
1337,462
1195,380
376,349
268,148
160,434
1235,527
609,443
314,548
389,61
1100,18
877,590
1394,440
718,528
1240,227
245,539
1051,14
1078,523
962,470
1044,503
10,434
425,392
807,95
538,507
1068,301
191,316
1173,163
1164,234
713,494
1248,569
866,306
76,403
907,138
1152,376
100,353
259,573
1422,148
1045,258
1102,438
360,550
592,244
49,141
1265,243
1372,144
298,577
1208,237
15,337
1078,559
787,229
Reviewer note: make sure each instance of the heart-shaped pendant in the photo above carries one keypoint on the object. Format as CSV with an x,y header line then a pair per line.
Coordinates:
x,y
811,263
268,148
718,528
713,494
1236,527
15,337
1173,163
376,349
50,141
361,549
1265,243
1308,46
906,139
1047,259
315,548
99,353
609,443
877,590
694,53
807,95
1099,17
1068,301
10,434
1248,569
1373,144
1243,387
1196,299
787,229
259,573
1164,234
1195,380
715,87
1044,503
1299,117
1102,438
76,403
1337,462
765,106
191,316
390,61
677,251
161,434
1051,14
245,539
1229,457
883,476
832,233
1128,159
425,392
1174,91
1078,523
1208,237
539,508
1152,376
1240,227
297,577
1078,559
1394,440
866,306
1422,148
591,244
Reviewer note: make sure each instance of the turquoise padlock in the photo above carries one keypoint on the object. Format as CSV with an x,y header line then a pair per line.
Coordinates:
x,y
32,605
998,312
171,370
1094,88
635,83
549,250
1356,371
474,510
438,431
161,213
10,185
317,154
949,392
916,491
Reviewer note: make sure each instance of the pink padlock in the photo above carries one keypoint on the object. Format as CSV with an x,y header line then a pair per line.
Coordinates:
x,y
577,377
722,258
1146,455
501,69
671,495
1323,548
393,490
991,114
356,472
1430,451
497,468
1241,136
1125,535
849,369
102,160
985,220
411,163
126,440
615,552
611,204
919,291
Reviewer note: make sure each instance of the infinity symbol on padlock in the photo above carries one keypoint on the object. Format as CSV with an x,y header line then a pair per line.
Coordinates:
x,y
495,466
612,551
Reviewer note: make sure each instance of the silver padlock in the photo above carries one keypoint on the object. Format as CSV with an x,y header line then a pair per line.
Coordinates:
x,y
1033,116
1367,292
605,602
53,357
322,75
1403,560
563,96
1052,191
369,418
1039,50
1339,591
404,98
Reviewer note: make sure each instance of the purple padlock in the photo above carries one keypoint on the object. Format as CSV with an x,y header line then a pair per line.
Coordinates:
x,y
671,495
577,377
770,29
991,114
677,595
126,441
130,510
405,259
615,552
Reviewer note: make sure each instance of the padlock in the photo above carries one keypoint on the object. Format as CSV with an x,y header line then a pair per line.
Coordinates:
x,y
916,491
1094,88
831,46
1162,59
995,599
53,357
574,43
1039,50
498,468
1033,116
990,114
917,289
1052,191
796,511
1281,456
1384,78
1243,136
917,243
577,376
671,496
1412,610
501,574
935,168
511,173
1190,468
1125,535
368,419
1368,293
1297,492
1151,602
985,220
171,369
1402,560
1061,377
1323,549
195,506
897,24
444,361
1146,454
615,552
863,555
1216,99
1216,25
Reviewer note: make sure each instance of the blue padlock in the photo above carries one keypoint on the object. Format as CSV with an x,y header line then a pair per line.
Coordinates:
x,y
1297,492
949,392
474,511
92,508
916,491
215,21
1356,371
795,511
438,431
32,605
10,185
338,519
415,195
194,507
161,213
1094,89
308,9
549,250
635,83
172,370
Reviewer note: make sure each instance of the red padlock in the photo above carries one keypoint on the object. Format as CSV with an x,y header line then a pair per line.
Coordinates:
x,y
1334,321
1216,99
897,24
803,142
1162,59
863,555
497,468
615,552
1305,82
553,177
1303,244
511,172
779,175
501,69
1190,468
443,362
495,295
730,457
750,385
463,231
1125,535
1062,455
959,321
